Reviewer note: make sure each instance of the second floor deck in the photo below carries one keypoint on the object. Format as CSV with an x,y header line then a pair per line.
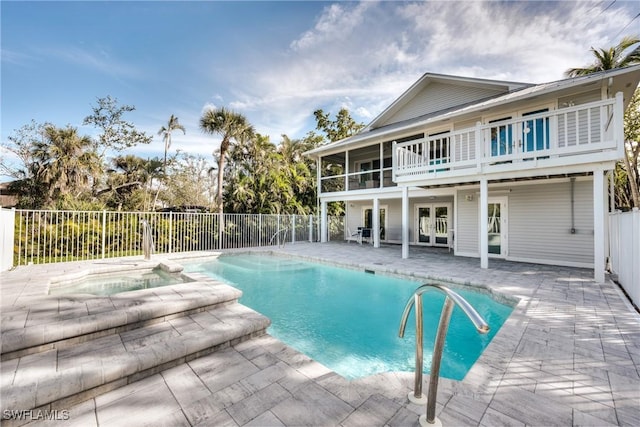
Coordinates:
x,y
547,141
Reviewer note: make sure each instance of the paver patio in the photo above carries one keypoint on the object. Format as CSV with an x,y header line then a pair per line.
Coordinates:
x,y
568,355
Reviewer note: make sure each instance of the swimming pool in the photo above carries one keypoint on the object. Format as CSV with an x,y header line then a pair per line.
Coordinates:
x,y
113,283
348,320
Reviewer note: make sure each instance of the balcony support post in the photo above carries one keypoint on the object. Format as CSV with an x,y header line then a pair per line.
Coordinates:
x,y
323,222
618,120
484,223
376,223
599,198
405,222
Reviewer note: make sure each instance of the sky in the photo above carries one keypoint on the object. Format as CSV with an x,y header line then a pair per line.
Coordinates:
x,y
275,62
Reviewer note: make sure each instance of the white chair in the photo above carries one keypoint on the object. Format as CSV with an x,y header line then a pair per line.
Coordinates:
x,y
357,236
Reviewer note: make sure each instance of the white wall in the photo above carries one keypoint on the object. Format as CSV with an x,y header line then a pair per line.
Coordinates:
x,y
7,225
539,222
625,251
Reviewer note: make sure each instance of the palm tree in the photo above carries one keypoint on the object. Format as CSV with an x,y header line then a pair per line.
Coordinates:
x,y
233,127
65,161
165,131
609,59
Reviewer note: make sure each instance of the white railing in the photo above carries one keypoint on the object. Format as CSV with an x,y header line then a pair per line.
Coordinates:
x,y
574,130
624,244
42,236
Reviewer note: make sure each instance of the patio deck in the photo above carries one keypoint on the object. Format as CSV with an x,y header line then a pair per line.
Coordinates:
x,y
568,355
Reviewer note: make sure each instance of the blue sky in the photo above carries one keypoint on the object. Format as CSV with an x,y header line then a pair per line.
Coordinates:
x,y
276,62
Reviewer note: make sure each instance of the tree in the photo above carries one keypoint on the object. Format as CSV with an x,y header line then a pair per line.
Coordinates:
x,y
632,145
342,127
126,183
608,59
20,165
165,131
191,182
65,162
117,133
611,58
233,127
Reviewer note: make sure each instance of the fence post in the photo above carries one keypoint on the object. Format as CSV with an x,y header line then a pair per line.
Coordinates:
x,y
310,228
293,231
278,230
259,229
104,231
170,231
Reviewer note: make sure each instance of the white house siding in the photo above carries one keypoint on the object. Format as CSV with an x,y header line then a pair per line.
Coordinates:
x,y
540,223
437,97
466,230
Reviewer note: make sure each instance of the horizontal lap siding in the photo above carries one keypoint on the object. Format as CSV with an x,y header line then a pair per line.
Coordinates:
x,y
467,228
438,97
540,222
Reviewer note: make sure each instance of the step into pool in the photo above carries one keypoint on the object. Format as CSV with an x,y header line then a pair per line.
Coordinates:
x,y
348,320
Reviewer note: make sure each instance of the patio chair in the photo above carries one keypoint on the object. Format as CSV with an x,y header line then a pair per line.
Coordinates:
x,y
357,236
365,233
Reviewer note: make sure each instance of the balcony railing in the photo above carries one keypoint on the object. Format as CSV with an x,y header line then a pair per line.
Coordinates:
x,y
362,180
587,128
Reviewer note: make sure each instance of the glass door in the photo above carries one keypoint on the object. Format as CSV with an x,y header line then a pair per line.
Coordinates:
x,y
497,229
441,231
432,224
424,225
368,220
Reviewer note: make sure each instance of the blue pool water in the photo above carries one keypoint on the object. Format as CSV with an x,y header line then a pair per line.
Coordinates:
x,y
348,320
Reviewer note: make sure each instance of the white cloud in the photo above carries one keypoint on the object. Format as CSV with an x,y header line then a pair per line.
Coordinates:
x,y
364,55
97,59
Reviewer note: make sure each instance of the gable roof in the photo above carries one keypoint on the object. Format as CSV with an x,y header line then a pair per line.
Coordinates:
x,y
621,79
436,92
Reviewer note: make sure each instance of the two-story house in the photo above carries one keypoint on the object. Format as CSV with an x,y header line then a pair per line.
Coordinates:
x,y
488,168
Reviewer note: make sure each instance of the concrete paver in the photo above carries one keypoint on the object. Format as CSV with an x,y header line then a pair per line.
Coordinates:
x,y
568,355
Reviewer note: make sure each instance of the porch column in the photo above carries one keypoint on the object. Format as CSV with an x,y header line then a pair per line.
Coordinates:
x,y
323,222
376,222
405,222
599,196
484,223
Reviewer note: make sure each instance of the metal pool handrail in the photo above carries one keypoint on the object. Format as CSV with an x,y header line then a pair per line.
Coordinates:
x,y
147,239
451,298
284,238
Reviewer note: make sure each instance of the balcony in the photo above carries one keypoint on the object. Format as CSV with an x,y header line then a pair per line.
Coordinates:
x,y
576,135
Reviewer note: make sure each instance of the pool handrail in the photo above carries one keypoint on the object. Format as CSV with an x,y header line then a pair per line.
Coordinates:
x,y
147,239
451,298
284,238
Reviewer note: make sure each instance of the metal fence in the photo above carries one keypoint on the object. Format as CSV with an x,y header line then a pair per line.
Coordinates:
x,y
624,243
43,236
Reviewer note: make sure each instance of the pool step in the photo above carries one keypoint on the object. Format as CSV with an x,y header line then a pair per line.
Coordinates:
x,y
67,320
68,371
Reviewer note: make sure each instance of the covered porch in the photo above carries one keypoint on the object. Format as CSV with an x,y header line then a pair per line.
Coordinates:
x,y
554,220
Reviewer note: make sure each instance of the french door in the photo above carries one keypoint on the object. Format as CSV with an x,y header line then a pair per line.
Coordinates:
x,y
367,220
497,227
432,224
